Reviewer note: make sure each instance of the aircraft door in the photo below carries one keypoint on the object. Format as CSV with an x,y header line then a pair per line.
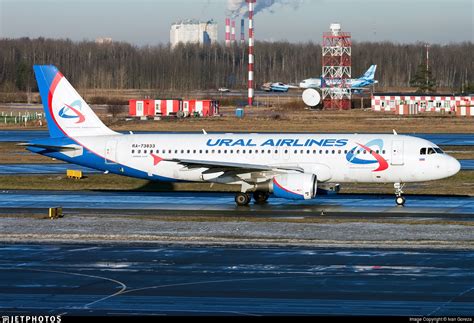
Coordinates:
x,y
397,153
111,152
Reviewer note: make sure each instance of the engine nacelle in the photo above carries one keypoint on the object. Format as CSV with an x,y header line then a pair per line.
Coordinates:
x,y
295,186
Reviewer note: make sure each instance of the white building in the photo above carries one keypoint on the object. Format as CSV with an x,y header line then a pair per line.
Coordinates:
x,y
193,31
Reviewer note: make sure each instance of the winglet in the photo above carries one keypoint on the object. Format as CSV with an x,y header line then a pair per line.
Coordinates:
x,y
204,131
395,132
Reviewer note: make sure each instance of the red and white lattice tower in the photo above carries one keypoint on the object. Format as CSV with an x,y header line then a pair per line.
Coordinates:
x,y
242,31
251,53
232,33
227,32
337,62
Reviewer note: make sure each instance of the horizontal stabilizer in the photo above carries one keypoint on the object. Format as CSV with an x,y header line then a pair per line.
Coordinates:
x,y
50,147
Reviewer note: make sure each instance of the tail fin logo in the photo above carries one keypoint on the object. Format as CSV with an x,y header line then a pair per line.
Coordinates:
x,y
72,111
354,154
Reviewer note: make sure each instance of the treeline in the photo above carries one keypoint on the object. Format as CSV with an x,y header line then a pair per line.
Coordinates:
x,y
191,67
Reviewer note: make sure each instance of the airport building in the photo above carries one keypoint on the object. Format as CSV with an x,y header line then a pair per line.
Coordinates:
x,y
193,31
413,103
173,107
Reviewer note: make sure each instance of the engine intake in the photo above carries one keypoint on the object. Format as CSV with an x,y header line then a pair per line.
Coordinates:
x,y
295,186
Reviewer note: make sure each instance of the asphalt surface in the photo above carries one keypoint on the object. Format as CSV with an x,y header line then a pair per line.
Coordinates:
x,y
223,203
177,280
439,139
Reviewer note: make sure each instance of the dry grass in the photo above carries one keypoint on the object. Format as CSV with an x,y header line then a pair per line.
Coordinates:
x,y
300,120
297,119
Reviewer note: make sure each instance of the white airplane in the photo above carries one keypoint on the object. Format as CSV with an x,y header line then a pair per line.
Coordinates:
x,y
291,166
356,84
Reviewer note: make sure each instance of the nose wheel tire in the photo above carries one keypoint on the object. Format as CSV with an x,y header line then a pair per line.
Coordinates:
x,y
242,199
400,200
260,197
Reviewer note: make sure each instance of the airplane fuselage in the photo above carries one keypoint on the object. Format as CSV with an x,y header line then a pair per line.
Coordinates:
x,y
333,157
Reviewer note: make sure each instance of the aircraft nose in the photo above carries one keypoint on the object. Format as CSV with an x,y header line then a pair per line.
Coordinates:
x,y
453,166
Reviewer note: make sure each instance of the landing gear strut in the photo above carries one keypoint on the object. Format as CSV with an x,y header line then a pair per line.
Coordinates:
x,y
260,197
242,199
399,199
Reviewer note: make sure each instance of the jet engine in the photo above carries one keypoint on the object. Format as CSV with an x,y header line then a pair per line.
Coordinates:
x,y
295,186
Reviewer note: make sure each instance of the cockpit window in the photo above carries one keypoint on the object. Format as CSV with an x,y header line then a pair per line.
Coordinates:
x,y
423,151
431,151
439,150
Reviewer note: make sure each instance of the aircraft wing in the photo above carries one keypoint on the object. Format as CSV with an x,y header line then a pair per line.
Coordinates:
x,y
234,166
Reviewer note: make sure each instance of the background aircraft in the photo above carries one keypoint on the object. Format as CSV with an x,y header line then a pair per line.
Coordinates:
x,y
356,84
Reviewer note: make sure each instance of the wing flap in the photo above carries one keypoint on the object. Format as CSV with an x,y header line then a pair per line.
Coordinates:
x,y
234,166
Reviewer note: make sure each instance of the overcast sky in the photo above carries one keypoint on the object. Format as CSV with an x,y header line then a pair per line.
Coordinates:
x,y
144,22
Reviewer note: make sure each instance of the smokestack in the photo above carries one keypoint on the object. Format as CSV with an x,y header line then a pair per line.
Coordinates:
x,y
227,32
232,35
242,31
251,56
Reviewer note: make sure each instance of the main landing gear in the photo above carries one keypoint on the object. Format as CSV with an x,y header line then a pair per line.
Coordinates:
x,y
243,199
399,199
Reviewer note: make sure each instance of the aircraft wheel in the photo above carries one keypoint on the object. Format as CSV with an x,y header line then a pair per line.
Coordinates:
x,y
400,200
261,197
242,199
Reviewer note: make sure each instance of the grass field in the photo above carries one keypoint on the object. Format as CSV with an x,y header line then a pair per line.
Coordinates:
x,y
295,119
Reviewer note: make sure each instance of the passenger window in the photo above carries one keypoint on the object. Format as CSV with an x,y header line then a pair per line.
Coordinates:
x,y
423,151
286,151
139,151
133,151
327,152
144,151
189,151
182,151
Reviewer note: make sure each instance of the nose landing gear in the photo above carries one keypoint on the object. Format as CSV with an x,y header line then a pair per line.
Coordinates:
x,y
399,199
